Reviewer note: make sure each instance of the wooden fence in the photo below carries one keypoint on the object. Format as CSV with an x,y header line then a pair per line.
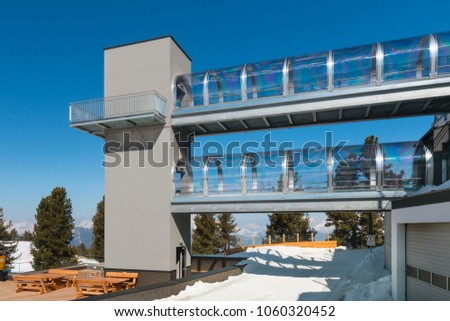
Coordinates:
x,y
311,244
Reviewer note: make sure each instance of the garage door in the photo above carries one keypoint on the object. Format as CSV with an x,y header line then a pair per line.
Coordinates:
x,y
427,261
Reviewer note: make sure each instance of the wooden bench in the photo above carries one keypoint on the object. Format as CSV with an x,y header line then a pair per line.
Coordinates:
x,y
90,287
130,278
29,282
69,275
40,282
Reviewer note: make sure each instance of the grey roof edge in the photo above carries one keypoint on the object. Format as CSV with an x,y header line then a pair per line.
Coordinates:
x,y
147,40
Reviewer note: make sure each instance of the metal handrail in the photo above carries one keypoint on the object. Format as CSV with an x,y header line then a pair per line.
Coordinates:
x,y
117,106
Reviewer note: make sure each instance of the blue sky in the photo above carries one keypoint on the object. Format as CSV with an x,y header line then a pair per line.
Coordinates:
x,y
51,53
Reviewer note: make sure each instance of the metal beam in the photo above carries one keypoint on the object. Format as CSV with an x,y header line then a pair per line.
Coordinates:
x,y
201,128
266,121
265,207
131,122
286,77
397,106
426,105
434,55
380,63
103,126
291,202
341,111
289,117
243,123
314,115
367,111
222,125
330,70
244,83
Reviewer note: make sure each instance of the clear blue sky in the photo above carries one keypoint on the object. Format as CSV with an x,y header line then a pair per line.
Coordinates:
x,y
52,53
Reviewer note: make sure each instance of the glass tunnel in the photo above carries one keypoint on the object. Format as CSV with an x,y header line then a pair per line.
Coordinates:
x,y
414,58
369,167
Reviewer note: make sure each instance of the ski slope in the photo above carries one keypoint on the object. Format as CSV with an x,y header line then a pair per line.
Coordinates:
x,y
291,274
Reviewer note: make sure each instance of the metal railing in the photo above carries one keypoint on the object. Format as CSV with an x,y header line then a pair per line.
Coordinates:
x,y
119,106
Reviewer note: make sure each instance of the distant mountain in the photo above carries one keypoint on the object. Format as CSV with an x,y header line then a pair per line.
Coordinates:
x,y
82,235
246,231
21,227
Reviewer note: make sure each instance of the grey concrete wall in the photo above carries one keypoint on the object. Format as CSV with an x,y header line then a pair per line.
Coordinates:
x,y
387,240
164,290
140,231
206,263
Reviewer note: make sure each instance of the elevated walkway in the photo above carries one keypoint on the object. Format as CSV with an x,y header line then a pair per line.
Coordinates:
x,y
399,78
352,178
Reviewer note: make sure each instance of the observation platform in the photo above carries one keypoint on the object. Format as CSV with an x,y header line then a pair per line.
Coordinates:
x,y
364,178
96,115
392,79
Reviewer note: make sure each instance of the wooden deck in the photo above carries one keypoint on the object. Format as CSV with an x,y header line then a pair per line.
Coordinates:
x,y
8,293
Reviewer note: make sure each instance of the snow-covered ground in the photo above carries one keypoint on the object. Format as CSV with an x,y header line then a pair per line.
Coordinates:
x,y
292,273
24,258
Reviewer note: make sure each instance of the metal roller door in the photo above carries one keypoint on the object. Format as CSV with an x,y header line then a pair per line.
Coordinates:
x,y
427,261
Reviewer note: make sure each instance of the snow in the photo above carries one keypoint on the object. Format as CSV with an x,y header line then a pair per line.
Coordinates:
x,y
88,261
281,273
24,258
370,280
86,224
21,227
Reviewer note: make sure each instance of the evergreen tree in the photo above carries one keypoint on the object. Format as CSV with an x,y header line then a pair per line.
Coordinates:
x,y
8,246
377,227
53,231
288,224
98,242
14,235
351,228
82,250
26,236
227,228
347,230
204,238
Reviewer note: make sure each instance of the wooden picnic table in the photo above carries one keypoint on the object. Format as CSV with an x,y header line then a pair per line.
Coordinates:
x,y
113,282
38,281
98,285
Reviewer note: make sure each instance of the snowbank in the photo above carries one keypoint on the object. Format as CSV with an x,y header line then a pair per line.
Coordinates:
x,y
370,281
24,258
292,273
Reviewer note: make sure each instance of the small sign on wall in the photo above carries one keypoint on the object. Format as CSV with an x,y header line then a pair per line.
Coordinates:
x,y
370,240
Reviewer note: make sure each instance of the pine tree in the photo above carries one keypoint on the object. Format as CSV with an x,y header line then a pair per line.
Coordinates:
x,y
8,246
288,224
82,249
347,230
351,228
98,242
204,238
377,227
53,231
26,236
227,228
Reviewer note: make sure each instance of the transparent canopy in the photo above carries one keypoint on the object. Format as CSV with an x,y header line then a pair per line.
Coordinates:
x,y
421,57
393,166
